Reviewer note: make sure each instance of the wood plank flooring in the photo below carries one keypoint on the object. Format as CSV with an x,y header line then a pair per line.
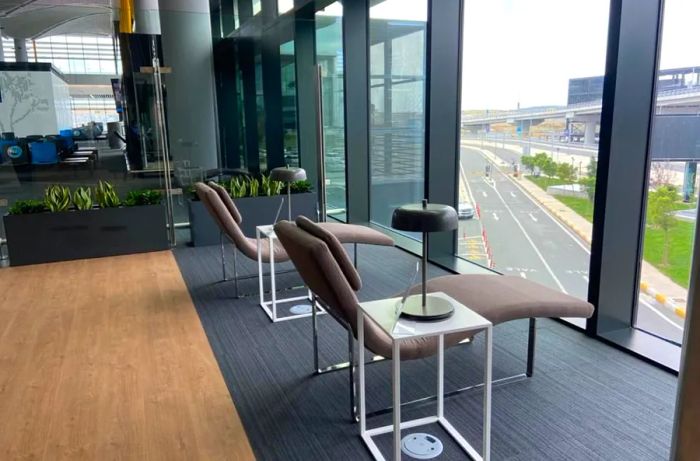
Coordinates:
x,y
106,359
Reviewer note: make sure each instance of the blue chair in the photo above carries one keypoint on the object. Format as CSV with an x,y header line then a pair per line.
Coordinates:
x,y
43,153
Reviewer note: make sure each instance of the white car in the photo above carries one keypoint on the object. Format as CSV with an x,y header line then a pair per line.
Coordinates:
x,y
465,210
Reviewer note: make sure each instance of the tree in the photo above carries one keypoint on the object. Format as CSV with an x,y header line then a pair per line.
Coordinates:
x,y
566,172
662,205
660,174
549,167
528,161
592,169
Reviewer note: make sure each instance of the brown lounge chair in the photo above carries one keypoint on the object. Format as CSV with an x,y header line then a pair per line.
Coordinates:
x,y
222,208
326,270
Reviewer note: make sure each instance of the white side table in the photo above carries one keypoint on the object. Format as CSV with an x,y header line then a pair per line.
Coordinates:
x,y
381,313
270,307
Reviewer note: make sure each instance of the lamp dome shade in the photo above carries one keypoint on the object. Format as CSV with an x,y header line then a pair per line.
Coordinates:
x,y
432,217
287,174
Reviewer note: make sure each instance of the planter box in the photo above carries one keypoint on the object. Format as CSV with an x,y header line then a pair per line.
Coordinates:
x,y
50,237
256,211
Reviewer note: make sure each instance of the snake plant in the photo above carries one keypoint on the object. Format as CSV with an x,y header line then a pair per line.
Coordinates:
x,y
254,187
270,187
57,198
106,196
82,198
238,187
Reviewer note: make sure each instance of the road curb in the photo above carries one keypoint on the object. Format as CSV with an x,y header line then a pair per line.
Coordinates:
x,y
662,299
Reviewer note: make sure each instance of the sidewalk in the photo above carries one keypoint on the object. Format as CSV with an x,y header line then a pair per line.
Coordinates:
x,y
654,282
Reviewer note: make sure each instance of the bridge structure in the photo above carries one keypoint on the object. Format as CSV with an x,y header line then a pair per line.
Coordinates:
x,y
678,101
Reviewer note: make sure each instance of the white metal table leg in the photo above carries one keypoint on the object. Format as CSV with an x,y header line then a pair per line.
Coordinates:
x,y
361,373
272,279
441,377
260,267
488,347
396,382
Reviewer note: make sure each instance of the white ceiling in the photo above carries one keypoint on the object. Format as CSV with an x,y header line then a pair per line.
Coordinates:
x,y
39,18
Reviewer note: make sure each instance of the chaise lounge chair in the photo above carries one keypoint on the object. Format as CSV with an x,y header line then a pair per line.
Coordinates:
x,y
326,270
224,212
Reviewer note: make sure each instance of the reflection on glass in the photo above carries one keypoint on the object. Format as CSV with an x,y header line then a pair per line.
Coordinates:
x,y
257,6
529,138
260,110
289,104
671,208
329,55
397,105
284,5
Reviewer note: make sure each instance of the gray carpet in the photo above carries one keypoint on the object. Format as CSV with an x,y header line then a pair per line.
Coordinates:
x,y
586,401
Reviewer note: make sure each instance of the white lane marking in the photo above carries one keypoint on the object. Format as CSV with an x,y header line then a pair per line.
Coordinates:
x,y
585,277
584,247
522,274
466,182
512,194
495,216
484,193
533,217
656,311
544,210
527,236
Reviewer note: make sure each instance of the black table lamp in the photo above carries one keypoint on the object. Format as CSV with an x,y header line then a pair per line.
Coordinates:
x,y
288,175
425,217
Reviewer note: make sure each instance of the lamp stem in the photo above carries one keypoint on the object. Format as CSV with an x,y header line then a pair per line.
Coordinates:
x,y
423,274
289,199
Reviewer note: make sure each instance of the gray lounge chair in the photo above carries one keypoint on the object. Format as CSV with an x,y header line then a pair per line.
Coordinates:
x,y
326,270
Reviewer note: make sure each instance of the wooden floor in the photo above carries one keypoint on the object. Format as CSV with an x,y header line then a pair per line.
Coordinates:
x,y
106,359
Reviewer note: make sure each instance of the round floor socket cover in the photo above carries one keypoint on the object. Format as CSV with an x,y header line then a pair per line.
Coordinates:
x,y
421,446
300,309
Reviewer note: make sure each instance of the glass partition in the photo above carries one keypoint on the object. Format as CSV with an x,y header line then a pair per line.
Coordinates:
x,y
397,34
329,55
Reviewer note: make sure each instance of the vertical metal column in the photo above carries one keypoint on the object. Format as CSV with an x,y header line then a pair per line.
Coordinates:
x,y
160,114
320,146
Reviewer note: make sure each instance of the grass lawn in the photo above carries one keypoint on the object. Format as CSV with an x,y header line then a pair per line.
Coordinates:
x,y
681,236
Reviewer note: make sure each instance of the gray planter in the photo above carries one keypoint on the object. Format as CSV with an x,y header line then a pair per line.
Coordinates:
x,y
50,237
256,211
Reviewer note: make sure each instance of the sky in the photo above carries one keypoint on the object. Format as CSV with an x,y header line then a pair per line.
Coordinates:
x,y
525,51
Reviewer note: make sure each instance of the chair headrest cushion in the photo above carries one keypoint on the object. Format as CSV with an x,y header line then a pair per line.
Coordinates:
x,y
228,201
336,249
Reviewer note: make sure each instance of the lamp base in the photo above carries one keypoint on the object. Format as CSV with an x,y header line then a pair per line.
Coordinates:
x,y
436,308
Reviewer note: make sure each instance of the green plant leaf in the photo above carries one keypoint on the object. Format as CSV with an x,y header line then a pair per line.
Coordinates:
x,y
57,198
106,196
21,207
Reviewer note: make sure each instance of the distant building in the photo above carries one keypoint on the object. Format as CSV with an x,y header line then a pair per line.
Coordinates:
x,y
590,89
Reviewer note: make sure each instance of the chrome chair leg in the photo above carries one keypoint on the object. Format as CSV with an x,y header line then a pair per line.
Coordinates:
x,y
235,272
314,325
355,255
351,370
223,257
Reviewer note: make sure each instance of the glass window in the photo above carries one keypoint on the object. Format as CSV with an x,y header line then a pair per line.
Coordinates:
x,y
257,7
329,55
397,105
671,207
529,141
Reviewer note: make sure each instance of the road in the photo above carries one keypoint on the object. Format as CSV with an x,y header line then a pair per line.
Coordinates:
x,y
526,241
